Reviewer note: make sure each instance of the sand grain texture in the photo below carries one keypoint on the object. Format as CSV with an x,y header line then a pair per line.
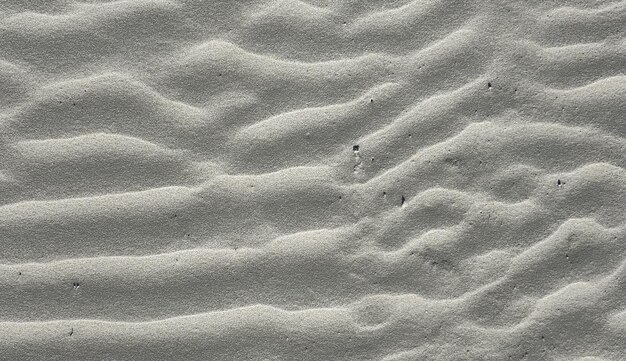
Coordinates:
x,y
322,180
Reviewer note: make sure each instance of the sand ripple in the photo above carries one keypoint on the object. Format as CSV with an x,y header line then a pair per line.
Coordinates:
x,y
291,180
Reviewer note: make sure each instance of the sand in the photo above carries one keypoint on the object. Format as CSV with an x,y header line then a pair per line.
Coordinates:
x,y
321,180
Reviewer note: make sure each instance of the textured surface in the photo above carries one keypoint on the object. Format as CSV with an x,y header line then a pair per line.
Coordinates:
x,y
321,180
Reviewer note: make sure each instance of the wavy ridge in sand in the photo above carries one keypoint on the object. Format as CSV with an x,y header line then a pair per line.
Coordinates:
x,y
290,180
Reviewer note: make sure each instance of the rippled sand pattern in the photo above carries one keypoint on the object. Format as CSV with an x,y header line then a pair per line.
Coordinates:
x,y
320,180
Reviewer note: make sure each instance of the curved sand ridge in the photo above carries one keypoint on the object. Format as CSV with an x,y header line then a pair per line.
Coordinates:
x,y
321,180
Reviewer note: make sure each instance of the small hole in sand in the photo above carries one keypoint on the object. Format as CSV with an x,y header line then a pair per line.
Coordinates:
x,y
489,86
355,148
402,200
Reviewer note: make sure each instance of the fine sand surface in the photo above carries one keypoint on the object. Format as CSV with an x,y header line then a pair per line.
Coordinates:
x,y
313,180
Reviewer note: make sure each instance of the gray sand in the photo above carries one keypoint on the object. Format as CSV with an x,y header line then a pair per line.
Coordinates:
x,y
320,180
